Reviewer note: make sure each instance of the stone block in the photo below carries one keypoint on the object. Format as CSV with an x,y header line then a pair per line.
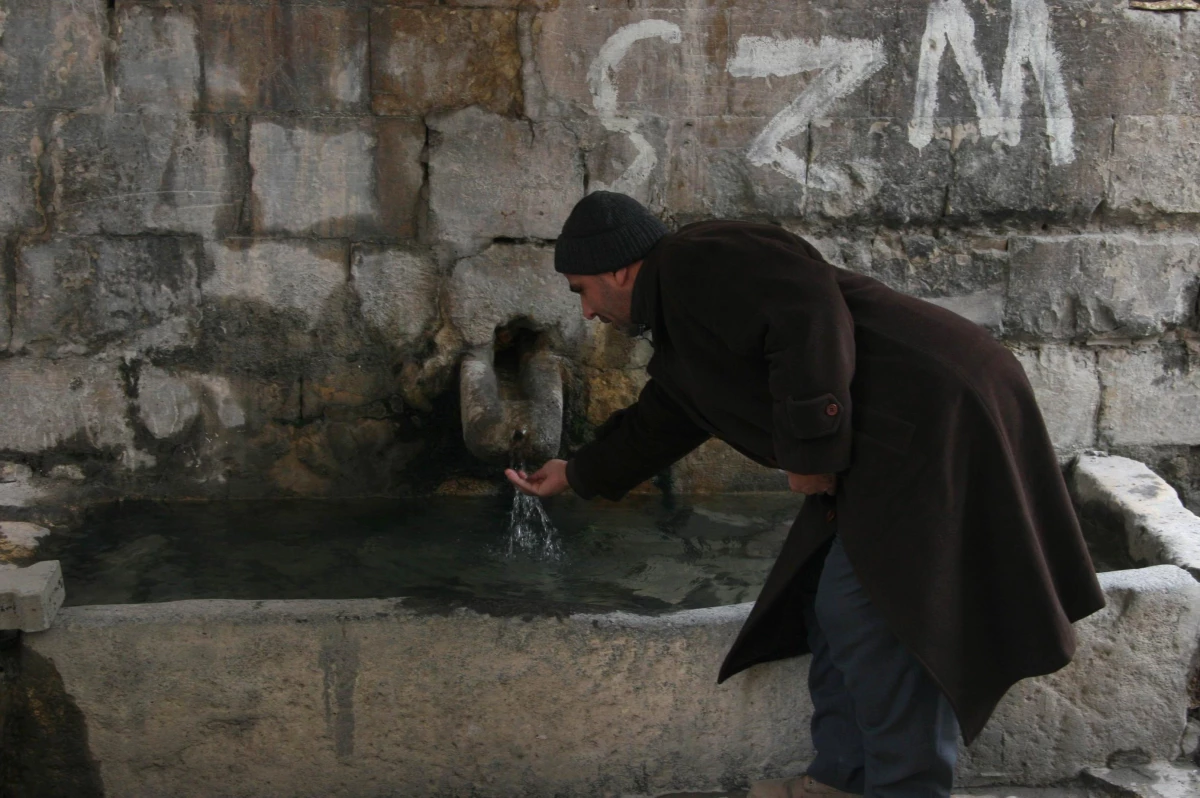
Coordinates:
x,y
993,180
944,266
295,276
707,173
432,58
1101,285
491,177
985,308
53,53
284,57
76,404
1159,530
618,62
1095,40
1125,690
158,59
866,168
135,173
31,597
1155,166
508,283
21,145
1151,396
166,404
398,291
336,177
1067,388
88,293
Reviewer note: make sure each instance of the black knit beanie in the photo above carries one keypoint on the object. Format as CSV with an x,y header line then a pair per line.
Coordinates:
x,y
605,232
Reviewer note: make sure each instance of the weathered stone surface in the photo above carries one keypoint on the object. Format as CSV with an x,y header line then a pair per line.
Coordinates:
x,y
136,173
707,173
1151,396
440,58
158,59
491,177
1155,165
284,275
20,146
5,320
1158,528
992,180
1125,690
609,390
399,175
31,597
19,540
398,290
75,403
985,308
508,283
943,266
284,57
336,177
52,53
1149,780
1095,40
1101,285
166,404
155,678
1067,388
663,61
84,294
866,168
716,467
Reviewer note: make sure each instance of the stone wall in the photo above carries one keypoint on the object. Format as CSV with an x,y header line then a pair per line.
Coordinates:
x,y
246,243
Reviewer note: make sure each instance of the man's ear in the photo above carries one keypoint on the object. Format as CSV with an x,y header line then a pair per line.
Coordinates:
x,y
623,276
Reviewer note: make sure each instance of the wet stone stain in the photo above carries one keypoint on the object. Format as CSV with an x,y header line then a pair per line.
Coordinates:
x,y
339,662
43,736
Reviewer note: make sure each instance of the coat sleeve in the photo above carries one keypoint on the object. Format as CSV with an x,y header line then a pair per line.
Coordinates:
x,y
633,445
771,298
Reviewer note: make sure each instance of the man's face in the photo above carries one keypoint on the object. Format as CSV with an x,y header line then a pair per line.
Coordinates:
x,y
607,297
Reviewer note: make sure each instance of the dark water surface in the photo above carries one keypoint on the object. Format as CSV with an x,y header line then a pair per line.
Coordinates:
x,y
640,554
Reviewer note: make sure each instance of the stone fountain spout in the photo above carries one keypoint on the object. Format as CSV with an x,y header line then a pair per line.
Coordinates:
x,y
512,405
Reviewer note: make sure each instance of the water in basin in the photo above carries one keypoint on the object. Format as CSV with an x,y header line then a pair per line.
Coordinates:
x,y
643,554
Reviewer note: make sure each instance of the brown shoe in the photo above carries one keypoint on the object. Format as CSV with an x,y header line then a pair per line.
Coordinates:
x,y
797,787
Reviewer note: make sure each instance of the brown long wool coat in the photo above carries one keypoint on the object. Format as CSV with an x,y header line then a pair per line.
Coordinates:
x,y
950,502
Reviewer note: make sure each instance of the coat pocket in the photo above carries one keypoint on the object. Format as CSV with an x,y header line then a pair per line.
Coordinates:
x,y
886,430
814,418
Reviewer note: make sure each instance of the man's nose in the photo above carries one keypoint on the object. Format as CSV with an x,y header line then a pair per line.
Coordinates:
x,y
588,313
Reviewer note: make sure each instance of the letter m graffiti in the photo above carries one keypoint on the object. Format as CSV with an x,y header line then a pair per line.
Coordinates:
x,y
1029,43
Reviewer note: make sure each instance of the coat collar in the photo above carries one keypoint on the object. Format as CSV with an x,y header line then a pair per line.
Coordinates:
x,y
643,309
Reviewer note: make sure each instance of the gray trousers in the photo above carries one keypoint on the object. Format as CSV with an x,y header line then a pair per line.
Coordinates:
x,y
880,725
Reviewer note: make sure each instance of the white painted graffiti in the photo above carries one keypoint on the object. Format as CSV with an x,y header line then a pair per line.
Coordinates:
x,y
845,65
1029,42
604,96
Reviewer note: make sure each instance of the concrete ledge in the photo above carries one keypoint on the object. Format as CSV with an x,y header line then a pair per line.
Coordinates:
x,y
350,698
1158,528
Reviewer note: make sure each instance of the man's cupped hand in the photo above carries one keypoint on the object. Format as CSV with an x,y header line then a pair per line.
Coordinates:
x,y
549,480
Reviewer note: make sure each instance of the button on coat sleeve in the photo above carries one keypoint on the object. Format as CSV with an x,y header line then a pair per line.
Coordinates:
x,y
633,445
776,300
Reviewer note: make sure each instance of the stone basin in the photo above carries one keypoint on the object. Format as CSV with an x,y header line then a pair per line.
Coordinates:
x,y
401,696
